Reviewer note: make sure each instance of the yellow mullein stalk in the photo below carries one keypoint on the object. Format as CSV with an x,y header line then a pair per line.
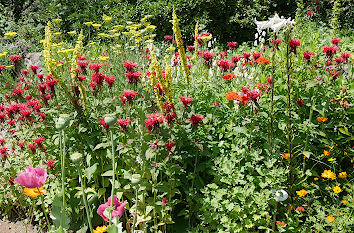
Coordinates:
x,y
49,61
42,41
195,40
155,67
150,28
57,33
75,66
179,42
10,35
64,51
168,79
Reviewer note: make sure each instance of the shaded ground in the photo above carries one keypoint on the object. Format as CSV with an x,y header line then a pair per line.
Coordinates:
x,y
15,227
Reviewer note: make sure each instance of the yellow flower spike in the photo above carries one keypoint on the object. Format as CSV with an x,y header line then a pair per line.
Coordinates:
x,y
96,25
171,49
72,33
10,35
150,28
337,189
3,54
33,192
330,218
103,58
342,175
156,67
102,34
107,18
88,24
138,40
168,79
331,159
180,46
57,33
42,41
57,20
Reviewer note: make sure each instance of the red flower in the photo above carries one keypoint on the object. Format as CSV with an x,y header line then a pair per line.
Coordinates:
x,y
2,67
2,141
208,56
254,95
345,57
132,76
43,116
330,51
307,55
229,76
129,65
293,44
281,223
82,64
153,121
128,96
335,41
104,124
123,123
224,65
256,55
300,208
21,145
196,119
32,147
164,201
39,141
24,72
190,48
309,13
232,44
110,80
95,67
236,59
246,56
50,164
93,85
186,100
300,102
15,58
168,38
3,152
169,146
40,76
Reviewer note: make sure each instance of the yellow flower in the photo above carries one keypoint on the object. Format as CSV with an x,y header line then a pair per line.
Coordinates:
x,y
328,174
118,27
138,39
287,155
322,119
96,25
149,41
57,20
170,49
301,193
42,41
326,152
342,175
101,229
34,192
92,43
330,218
150,28
102,34
103,58
59,64
107,18
72,33
88,23
9,67
57,33
316,178
337,189
10,35
65,51
3,54
345,201
331,159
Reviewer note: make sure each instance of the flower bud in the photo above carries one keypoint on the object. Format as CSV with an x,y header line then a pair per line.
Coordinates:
x,y
76,157
63,121
110,119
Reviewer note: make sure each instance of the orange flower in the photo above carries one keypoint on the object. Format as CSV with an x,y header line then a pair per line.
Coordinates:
x,y
33,192
330,218
342,175
262,86
263,60
287,155
282,223
345,201
322,119
300,208
326,152
328,174
301,193
232,95
229,76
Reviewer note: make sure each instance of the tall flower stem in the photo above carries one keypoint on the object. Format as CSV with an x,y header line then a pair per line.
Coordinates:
x,y
88,209
288,70
44,211
272,97
30,215
113,175
136,208
62,157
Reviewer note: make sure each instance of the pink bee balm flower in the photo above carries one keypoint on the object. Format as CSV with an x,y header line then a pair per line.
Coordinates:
x,y
129,65
232,44
123,123
168,38
164,201
293,44
153,121
335,41
118,208
32,177
186,100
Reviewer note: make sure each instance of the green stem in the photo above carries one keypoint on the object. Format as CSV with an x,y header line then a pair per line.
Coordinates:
x,y
30,215
42,204
88,210
113,175
136,208
62,153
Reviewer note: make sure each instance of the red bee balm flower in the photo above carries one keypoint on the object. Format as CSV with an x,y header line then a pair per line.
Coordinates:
x,y
186,100
293,44
335,41
128,96
95,67
308,55
50,164
196,119
153,121
232,44
169,146
123,123
15,58
129,65
168,38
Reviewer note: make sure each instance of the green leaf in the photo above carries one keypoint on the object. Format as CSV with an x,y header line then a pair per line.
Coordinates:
x,y
344,131
101,146
108,173
90,171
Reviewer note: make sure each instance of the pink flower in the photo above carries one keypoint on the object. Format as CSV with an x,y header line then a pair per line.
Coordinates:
x,y
153,121
132,76
232,44
335,41
308,55
164,201
118,208
32,177
95,67
123,123
128,96
309,13
196,119
293,44
186,100
254,95
129,65
224,65
208,57
168,38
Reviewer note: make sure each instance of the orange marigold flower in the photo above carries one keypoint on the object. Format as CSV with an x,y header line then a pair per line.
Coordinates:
x,y
263,60
300,208
322,119
330,218
337,189
328,174
316,178
326,152
229,76
33,192
345,201
342,175
301,193
287,155
282,223
232,95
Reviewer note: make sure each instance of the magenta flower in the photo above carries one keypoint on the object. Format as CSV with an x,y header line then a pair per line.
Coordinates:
x,y
118,208
32,177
